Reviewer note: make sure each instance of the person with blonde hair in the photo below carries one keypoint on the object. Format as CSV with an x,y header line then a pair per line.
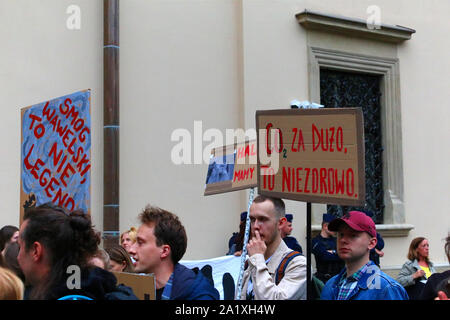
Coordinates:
x,y
128,238
11,287
416,271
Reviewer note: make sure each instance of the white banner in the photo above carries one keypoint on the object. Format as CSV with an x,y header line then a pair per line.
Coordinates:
x,y
220,266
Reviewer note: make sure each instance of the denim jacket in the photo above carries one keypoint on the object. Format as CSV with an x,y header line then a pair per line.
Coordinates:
x,y
373,285
405,276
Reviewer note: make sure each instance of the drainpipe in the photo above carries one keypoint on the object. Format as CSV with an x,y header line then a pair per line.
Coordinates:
x,y
111,48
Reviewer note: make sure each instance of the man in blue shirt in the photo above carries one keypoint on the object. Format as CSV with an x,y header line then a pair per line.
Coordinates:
x,y
285,231
361,279
161,243
328,263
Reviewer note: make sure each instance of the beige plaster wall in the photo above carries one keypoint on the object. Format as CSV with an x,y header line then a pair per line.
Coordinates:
x,y
215,61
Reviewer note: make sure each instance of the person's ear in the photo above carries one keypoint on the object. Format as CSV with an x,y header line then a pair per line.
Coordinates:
x,y
37,251
165,251
373,242
282,221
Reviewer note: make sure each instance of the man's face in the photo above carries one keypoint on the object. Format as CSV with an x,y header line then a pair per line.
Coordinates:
x,y
145,250
327,231
286,228
25,259
263,219
353,245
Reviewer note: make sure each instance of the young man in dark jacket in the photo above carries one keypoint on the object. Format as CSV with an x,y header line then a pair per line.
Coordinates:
x,y
54,251
161,243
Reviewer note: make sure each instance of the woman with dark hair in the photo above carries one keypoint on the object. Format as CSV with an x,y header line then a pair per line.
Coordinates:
x,y
417,269
54,252
8,234
120,259
10,260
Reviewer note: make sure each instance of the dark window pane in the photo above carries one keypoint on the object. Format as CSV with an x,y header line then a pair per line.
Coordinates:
x,y
354,90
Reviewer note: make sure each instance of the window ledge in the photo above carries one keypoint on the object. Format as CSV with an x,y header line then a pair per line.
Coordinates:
x,y
386,230
353,27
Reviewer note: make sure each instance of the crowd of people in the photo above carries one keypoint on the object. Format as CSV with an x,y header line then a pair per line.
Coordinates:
x,y
56,255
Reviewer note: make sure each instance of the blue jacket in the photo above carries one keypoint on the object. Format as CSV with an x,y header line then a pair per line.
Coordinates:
x,y
373,285
293,244
189,285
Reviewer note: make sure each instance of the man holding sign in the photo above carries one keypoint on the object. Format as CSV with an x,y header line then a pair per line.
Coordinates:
x,y
264,278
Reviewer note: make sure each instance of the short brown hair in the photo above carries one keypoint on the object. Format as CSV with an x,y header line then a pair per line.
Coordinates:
x,y
168,230
278,204
412,252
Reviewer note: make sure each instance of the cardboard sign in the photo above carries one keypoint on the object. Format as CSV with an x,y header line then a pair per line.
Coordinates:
x,y
56,153
143,285
232,168
318,155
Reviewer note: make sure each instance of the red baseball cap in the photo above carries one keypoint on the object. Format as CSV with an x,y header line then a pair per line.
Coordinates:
x,y
356,220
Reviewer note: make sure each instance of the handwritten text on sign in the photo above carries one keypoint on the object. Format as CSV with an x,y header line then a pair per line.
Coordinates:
x,y
56,151
238,162
320,153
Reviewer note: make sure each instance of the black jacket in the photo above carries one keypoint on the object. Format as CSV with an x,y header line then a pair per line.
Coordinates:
x,y
97,284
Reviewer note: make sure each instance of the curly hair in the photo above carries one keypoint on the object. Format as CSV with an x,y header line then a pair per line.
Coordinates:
x,y
168,230
69,239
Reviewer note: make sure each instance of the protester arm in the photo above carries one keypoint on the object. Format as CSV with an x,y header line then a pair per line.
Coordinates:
x,y
406,275
319,249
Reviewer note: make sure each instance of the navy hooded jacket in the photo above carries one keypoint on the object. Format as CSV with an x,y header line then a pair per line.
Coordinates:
x,y
190,285
96,284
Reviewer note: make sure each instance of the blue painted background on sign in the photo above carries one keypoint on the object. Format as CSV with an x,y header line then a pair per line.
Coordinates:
x,y
67,124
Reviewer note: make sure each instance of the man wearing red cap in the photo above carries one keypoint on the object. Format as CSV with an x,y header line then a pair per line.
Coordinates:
x,y
361,279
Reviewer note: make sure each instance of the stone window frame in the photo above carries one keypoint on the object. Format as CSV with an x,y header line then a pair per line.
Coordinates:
x,y
388,68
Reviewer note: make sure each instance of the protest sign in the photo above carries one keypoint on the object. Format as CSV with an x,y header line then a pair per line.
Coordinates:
x,y
143,285
320,154
56,153
232,168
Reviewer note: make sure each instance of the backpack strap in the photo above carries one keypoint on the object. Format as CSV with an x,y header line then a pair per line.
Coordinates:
x,y
283,265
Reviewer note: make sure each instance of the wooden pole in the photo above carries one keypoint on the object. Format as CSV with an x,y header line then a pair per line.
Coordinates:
x,y
111,123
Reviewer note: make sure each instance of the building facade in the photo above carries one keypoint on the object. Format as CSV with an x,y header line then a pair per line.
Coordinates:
x,y
202,65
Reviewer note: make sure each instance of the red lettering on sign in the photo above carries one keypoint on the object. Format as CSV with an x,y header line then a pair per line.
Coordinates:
x,y
26,161
50,187
269,151
65,173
